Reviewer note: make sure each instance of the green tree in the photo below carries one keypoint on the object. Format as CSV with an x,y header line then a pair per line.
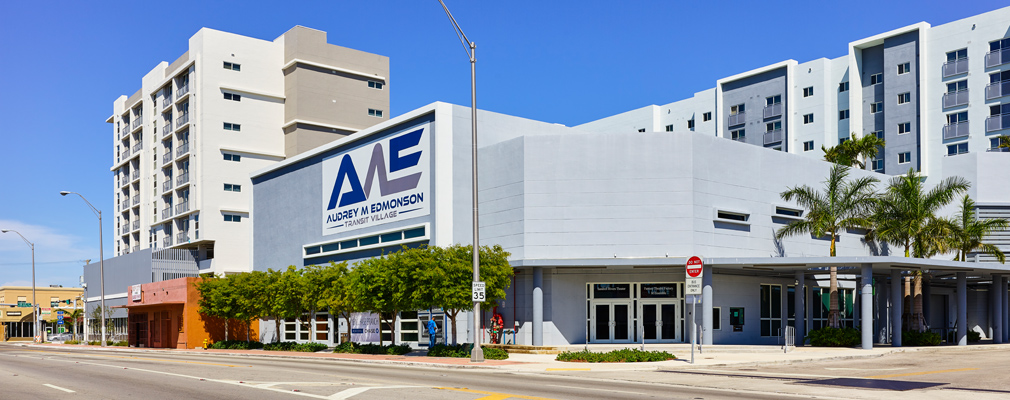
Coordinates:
x,y
338,296
1004,142
72,320
318,281
969,232
283,300
852,152
844,204
218,298
249,291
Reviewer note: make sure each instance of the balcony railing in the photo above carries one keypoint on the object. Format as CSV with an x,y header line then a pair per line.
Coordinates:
x,y
182,149
181,208
736,119
136,248
182,237
182,179
997,57
136,174
138,146
182,90
126,251
997,150
182,120
954,131
773,136
167,128
997,90
124,131
956,67
124,205
125,155
166,241
772,111
136,199
136,225
997,122
166,212
125,181
167,156
126,228
137,122
167,185
954,99
166,101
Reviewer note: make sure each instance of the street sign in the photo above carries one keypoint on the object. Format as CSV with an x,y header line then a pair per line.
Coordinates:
x,y
478,292
694,269
46,311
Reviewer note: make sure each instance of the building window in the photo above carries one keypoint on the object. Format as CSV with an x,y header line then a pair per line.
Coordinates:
x,y
232,218
641,130
706,116
957,55
958,86
905,158
999,44
808,118
716,318
904,98
904,128
876,107
669,128
374,113
375,85
994,144
232,96
999,109
821,301
773,100
229,187
738,135
690,123
878,134
808,145
877,78
998,77
228,126
957,118
877,165
808,91
232,66
773,126
843,87
957,148
737,109
904,68
231,157
844,114
771,310
842,140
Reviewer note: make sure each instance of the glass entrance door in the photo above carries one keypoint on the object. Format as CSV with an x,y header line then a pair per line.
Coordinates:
x,y
611,322
659,322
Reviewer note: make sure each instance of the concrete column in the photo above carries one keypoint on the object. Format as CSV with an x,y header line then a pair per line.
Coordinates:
x,y
962,309
997,309
866,307
538,306
1006,309
897,283
927,292
800,316
706,306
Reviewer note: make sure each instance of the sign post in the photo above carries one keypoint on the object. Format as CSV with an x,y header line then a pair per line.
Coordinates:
x,y
693,285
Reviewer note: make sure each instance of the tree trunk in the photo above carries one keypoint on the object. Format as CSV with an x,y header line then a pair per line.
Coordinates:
x,y
226,329
277,329
248,327
312,325
833,320
452,321
906,304
918,322
347,318
392,328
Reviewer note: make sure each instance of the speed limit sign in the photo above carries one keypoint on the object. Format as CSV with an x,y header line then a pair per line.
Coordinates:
x,y
478,292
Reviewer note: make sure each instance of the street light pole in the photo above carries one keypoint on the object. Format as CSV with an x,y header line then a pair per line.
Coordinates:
x,y
35,303
101,258
476,355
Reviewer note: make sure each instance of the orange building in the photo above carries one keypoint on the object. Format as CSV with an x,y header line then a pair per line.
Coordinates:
x,y
166,314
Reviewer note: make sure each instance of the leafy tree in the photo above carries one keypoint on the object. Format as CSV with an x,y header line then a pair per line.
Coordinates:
x,y
317,282
73,319
969,232
372,286
844,204
217,299
337,296
249,291
385,285
1004,142
852,152
283,299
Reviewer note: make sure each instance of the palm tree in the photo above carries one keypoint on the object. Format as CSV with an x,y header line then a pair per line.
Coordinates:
x,y
906,216
1004,142
844,204
969,232
852,152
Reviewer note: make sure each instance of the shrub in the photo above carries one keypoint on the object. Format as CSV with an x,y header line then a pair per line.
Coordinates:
x,y
99,343
72,342
463,351
345,347
236,345
370,348
310,347
623,355
973,336
913,338
834,337
121,343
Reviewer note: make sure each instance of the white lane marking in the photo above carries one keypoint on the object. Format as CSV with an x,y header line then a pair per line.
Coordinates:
x,y
58,388
866,369
597,389
351,392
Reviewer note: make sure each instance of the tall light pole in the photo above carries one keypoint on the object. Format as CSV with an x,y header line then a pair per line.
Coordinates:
x,y
477,355
101,258
35,303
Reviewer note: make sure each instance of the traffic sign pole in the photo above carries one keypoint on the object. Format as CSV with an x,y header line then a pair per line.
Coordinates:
x,y
693,270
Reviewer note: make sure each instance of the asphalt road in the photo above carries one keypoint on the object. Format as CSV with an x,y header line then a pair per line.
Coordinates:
x,y
42,373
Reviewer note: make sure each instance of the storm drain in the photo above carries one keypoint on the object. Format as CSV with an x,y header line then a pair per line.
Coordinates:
x,y
882,384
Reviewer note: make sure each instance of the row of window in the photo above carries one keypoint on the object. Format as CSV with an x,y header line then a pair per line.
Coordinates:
x,y
705,117
366,241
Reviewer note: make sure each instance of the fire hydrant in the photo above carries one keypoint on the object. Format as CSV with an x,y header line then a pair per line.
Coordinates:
x,y
205,342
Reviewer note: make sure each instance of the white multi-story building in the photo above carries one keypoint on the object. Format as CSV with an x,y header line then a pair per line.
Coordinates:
x,y
185,143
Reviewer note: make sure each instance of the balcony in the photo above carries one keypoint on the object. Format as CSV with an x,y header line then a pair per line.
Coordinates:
x,y
773,136
136,174
136,199
954,131
182,120
138,146
167,185
136,225
167,157
997,90
136,248
997,150
182,149
167,128
124,205
954,99
166,102
772,111
182,179
182,90
736,119
125,154
126,251
137,122
182,237
125,181
997,57
166,241
126,228
123,132
997,122
181,208
956,67
166,212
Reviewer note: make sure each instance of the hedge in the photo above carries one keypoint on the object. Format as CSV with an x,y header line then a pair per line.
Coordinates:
x,y
368,348
623,355
913,338
463,351
311,347
236,345
834,337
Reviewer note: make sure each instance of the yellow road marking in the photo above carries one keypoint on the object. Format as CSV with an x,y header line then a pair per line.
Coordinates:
x,y
568,369
493,395
920,373
139,358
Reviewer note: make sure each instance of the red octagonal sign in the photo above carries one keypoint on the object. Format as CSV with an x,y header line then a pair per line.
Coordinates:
x,y
694,267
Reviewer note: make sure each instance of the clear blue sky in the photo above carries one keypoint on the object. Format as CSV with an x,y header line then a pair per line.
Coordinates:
x,y
62,63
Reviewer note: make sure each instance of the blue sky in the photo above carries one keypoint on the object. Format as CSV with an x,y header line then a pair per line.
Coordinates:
x,y
62,63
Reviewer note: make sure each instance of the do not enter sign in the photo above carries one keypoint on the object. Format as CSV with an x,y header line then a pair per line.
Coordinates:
x,y
694,267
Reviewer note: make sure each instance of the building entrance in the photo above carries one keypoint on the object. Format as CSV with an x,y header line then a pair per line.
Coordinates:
x,y
612,322
659,321
634,312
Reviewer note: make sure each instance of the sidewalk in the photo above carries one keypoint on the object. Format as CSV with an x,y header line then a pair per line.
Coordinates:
x,y
714,355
